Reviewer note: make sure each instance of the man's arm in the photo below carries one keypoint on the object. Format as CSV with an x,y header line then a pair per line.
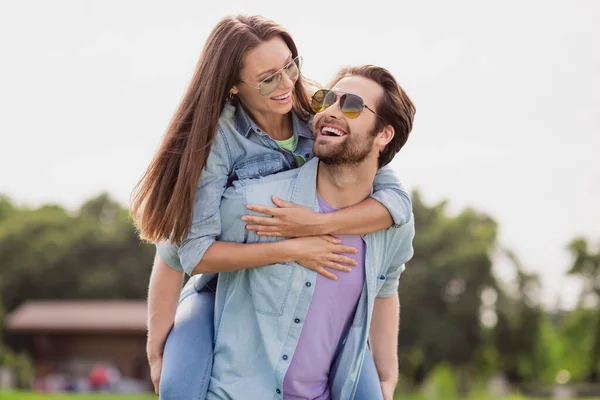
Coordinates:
x,y
384,342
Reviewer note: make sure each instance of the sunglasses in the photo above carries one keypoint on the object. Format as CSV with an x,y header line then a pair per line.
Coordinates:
x,y
269,85
350,104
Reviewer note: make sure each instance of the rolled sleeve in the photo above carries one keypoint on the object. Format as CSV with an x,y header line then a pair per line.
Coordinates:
x,y
206,218
167,251
399,243
388,190
392,281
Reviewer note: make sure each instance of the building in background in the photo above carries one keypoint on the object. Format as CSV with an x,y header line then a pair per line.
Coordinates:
x,y
68,340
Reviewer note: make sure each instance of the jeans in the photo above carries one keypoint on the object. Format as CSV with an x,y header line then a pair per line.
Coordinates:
x,y
187,359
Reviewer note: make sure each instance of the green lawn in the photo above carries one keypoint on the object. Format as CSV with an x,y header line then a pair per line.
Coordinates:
x,y
39,396
42,396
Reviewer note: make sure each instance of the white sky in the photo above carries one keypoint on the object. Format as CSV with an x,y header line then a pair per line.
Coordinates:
x,y
507,95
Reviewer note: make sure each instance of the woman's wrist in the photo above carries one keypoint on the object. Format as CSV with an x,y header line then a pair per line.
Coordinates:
x,y
285,250
324,225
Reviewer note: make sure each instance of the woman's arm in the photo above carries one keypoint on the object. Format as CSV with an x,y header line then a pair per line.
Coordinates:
x,y
314,252
163,295
201,252
389,205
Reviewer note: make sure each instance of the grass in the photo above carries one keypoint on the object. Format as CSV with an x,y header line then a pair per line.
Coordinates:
x,y
61,396
21,395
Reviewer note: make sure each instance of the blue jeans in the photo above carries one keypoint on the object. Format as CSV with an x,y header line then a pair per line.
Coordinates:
x,y
188,355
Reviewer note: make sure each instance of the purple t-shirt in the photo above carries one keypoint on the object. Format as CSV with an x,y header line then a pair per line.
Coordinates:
x,y
329,316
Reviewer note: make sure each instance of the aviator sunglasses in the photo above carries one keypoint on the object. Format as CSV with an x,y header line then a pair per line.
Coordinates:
x,y
269,85
350,104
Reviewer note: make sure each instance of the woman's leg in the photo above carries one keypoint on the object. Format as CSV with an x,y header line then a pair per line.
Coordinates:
x,y
368,381
188,355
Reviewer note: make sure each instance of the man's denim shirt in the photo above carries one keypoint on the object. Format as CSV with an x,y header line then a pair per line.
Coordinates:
x,y
259,312
241,150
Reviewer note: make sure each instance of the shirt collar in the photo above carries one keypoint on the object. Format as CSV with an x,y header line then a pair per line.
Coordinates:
x,y
244,124
305,187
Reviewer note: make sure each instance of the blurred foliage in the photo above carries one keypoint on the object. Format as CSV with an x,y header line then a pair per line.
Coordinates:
x,y
460,325
93,253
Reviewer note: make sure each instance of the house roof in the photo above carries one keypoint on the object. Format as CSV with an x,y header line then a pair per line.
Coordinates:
x,y
92,316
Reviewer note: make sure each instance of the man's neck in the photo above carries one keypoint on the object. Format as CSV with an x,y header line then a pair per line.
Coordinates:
x,y
345,185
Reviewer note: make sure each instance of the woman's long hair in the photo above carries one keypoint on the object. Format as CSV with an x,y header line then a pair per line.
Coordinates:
x,y
162,200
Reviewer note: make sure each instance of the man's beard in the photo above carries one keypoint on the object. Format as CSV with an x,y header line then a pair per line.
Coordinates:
x,y
346,153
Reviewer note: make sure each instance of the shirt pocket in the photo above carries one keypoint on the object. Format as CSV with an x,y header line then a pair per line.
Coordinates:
x,y
269,288
258,166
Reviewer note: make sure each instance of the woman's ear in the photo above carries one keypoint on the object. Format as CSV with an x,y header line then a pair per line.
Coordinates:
x,y
233,91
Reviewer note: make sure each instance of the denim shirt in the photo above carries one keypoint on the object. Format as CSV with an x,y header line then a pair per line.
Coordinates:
x,y
259,312
242,150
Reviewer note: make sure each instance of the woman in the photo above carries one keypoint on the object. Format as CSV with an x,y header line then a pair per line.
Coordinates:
x,y
244,115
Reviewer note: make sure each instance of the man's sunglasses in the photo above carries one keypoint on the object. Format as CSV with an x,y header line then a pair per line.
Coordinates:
x,y
269,85
350,104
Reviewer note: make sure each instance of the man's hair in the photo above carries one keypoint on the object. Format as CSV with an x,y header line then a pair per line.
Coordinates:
x,y
395,107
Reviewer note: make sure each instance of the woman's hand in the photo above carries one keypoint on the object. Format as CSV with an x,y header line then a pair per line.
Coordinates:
x,y
320,253
286,220
155,362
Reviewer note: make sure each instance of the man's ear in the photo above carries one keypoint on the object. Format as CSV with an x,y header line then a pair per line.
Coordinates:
x,y
385,136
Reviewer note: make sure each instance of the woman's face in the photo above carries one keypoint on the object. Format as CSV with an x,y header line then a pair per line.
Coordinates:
x,y
259,64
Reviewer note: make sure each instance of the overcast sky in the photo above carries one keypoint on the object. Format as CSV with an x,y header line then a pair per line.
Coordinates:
x,y
507,96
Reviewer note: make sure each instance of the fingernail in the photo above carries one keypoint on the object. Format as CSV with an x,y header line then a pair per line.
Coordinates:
x,y
244,218
347,270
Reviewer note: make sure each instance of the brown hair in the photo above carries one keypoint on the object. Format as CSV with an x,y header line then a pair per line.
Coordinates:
x,y
395,107
162,201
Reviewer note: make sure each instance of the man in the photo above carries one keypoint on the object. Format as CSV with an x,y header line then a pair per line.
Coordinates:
x,y
283,329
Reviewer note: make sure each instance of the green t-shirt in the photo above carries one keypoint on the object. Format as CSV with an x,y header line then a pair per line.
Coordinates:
x,y
290,145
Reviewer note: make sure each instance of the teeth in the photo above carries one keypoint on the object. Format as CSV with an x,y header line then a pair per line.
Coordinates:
x,y
282,97
332,130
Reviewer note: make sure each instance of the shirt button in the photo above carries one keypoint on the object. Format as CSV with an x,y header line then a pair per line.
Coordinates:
x,y
258,130
307,155
260,171
297,320
308,284
278,391
284,357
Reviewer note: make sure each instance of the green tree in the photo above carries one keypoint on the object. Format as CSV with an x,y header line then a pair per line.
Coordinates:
x,y
586,264
441,289
517,332
93,253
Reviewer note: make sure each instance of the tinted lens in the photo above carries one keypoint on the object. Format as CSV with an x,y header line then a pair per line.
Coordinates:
x,y
351,105
293,69
269,85
322,99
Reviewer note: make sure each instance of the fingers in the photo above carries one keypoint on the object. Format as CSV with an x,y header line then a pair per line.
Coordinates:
x,y
331,239
259,220
282,203
326,274
263,209
337,267
344,260
262,228
340,248
270,234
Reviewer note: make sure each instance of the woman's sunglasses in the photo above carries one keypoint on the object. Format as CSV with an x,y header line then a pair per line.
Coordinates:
x,y
350,104
269,85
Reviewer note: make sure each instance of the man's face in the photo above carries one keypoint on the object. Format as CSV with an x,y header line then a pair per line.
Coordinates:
x,y
352,140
